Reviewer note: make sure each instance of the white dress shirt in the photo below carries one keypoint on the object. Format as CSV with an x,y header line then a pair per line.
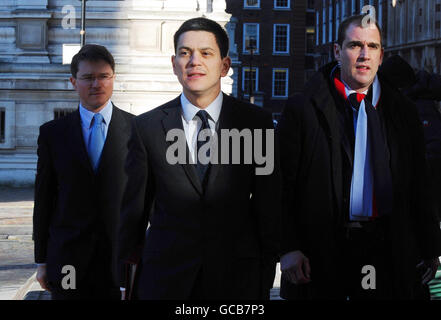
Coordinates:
x,y
192,123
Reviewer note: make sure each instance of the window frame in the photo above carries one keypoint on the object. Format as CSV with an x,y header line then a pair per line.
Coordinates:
x,y
288,6
245,6
273,82
257,50
245,91
287,38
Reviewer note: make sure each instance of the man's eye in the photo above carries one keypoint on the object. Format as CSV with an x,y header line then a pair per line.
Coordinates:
x,y
183,53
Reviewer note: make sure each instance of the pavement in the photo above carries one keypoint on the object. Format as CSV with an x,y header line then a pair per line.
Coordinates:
x,y
17,267
16,246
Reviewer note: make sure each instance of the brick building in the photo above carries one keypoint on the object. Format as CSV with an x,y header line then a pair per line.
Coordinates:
x,y
272,41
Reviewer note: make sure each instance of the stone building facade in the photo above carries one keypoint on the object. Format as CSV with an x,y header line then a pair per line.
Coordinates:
x,y
34,82
414,32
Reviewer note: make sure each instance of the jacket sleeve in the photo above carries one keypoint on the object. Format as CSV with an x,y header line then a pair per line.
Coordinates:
x,y
136,204
45,196
427,226
266,203
289,138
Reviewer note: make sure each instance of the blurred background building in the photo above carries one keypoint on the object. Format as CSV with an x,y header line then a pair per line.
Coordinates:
x,y
275,46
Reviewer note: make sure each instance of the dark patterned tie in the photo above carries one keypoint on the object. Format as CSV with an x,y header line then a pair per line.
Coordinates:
x,y
202,167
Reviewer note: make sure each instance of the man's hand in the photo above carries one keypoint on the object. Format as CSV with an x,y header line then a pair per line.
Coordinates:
x,y
295,267
428,269
42,277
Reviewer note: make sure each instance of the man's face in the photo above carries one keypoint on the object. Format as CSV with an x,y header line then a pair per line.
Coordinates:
x,y
198,64
94,84
360,56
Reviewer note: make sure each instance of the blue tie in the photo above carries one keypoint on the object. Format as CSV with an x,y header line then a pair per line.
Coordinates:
x,y
96,140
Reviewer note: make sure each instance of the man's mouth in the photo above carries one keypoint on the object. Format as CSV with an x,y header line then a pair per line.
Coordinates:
x,y
363,68
195,75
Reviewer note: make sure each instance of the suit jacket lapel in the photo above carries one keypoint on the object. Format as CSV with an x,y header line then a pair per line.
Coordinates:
x,y
78,144
173,120
115,138
225,121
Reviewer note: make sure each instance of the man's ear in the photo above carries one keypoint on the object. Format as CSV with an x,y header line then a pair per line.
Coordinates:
x,y
226,64
173,57
74,82
337,51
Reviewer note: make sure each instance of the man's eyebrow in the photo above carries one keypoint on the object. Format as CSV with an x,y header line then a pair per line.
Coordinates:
x,y
184,48
360,43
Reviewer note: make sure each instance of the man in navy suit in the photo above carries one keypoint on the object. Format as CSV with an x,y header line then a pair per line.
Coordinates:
x,y
213,227
79,185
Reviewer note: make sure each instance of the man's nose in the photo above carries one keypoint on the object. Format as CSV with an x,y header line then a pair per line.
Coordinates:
x,y
364,52
195,59
96,82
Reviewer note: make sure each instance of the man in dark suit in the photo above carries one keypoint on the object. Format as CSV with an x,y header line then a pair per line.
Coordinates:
x,y
355,220
79,185
213,227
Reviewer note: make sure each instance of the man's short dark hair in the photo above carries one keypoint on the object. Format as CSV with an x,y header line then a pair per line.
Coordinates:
x,y
91,52
357,20
204,24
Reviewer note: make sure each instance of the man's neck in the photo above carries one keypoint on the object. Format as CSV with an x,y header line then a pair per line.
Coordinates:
x,y
200,101
355,87
94,109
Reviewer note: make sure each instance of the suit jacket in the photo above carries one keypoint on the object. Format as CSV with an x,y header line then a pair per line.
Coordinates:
x,y
76,211
229,229
314,154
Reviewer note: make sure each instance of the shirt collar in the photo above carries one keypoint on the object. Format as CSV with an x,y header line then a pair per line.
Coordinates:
x,y
349,89
87,116
189,110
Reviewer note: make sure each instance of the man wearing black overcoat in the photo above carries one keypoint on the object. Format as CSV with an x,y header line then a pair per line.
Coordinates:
x,y
356,224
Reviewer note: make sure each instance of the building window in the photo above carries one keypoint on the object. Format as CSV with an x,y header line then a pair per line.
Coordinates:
x,y
317,24
59,113
281,38
2,125
330,21
420,28
209,6
343,9
282,4
438,7
247,81
280,83
361,5
337,18
353,8
324,22
420,12
247,4
437,24
380,13
250,37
